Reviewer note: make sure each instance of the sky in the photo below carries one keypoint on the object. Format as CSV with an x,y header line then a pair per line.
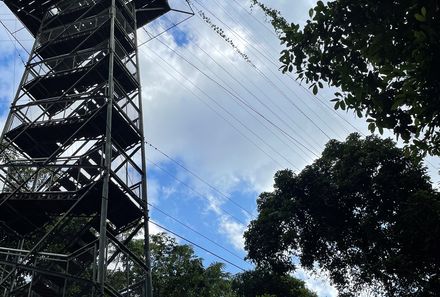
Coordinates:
x,y
218,126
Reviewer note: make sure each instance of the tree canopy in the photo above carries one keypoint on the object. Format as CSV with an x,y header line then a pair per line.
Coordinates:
x,y
261,282
382,55
177,271
364,212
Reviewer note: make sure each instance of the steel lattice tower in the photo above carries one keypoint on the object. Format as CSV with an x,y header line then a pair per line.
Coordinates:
x,y
73,171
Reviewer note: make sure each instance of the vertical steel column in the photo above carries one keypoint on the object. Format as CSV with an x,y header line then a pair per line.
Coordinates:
x,y
102,265
148,286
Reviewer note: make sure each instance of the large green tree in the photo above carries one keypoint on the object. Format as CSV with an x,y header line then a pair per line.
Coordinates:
x,y
381,54
261,282
364,212
176,271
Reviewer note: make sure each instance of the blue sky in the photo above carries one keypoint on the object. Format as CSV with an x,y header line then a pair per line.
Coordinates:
x,y
7,61
181,38
191,116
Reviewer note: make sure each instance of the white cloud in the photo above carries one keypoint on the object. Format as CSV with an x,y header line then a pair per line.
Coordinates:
x,y
317,282
153,191
233,231
227,225
153,229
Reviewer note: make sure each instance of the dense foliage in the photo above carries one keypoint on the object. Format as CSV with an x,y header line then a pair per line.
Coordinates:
x,y
265,283
382,55
178,272
364,212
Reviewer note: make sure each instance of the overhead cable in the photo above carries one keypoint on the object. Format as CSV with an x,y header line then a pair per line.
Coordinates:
x,y
197,245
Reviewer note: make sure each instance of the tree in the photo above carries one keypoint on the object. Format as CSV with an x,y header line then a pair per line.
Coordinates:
x,y
364,212
177,271
382,55
256,283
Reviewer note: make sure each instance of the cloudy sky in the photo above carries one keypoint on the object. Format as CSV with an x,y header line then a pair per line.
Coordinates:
x,y
219,126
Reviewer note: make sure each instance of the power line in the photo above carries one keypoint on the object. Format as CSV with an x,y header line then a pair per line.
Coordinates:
x,y
322,104
199,179
260,101
321,101
197,245
15,64
430,163
246,104
195,231
287,87
228,13
227,112
271,62
241,102
307,91
194,190
256,97
15,38
255,86
192,229
250,13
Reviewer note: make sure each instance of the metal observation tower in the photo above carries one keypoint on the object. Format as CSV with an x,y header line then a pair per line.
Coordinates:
x,y
72,155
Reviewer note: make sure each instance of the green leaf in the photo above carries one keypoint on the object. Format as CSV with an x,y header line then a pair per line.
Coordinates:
x,y
420,35
372,127
311,12
420,17
320,84
380,130
359,113
396,105
423,11
315,89
342,105
406,136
